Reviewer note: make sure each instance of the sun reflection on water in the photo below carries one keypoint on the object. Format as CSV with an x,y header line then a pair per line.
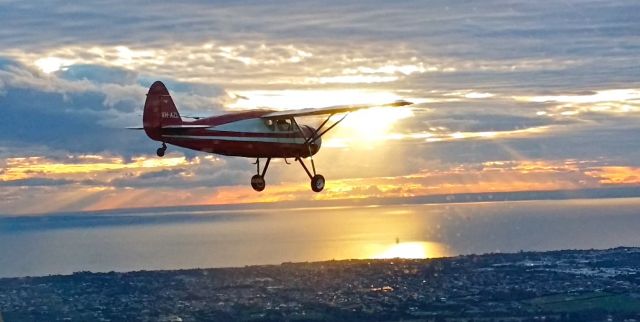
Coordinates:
x,y
412,250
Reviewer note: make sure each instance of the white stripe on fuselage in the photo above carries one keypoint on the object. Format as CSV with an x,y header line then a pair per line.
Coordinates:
x,y
254,125
239,139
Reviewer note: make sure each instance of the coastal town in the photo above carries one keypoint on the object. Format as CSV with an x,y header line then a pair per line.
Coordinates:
x,y
569,285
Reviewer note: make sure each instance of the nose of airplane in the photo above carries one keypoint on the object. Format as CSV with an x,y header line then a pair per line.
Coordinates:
x,y
317,143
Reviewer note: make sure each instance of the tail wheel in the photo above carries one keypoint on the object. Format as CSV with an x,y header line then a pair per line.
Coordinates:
x,y
161,150
317,183
257,182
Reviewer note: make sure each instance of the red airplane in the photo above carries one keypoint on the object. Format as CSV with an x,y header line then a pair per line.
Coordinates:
x,y
260,134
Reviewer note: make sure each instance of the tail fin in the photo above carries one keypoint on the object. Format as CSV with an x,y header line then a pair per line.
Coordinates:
x,y
159,111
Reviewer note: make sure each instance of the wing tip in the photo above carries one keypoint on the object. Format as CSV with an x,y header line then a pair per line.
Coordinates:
x,y
399,103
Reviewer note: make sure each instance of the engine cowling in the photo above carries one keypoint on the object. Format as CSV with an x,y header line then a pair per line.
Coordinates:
x,y
316,144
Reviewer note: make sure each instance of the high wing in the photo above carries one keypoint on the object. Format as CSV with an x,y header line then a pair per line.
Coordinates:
x,y
329,110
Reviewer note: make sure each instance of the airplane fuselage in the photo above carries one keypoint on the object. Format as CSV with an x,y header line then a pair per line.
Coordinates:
x,y
243,135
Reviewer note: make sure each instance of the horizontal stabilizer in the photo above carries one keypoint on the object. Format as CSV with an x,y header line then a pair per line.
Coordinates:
x,y
192,117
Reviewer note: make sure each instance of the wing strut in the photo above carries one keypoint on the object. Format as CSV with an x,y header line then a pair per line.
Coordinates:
x,y
316,132
316,136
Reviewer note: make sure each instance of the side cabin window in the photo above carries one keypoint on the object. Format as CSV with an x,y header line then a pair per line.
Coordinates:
x,y
270,124
280,125
283,125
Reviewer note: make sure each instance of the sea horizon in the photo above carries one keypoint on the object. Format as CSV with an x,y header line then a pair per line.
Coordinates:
x,y
625,192
183,239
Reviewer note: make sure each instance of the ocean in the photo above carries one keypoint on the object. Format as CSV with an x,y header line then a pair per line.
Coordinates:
x,y
197,238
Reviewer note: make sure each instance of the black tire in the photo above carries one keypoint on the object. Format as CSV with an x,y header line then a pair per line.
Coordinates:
x,y
258,183
160,152
317,183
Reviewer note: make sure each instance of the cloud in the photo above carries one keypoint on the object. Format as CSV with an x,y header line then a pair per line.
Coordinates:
x,y
492,82
612,175
98,74
82,109
31,182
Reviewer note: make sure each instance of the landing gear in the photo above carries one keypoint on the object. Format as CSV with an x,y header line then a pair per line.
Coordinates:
x,y
317,183
257,181
317,180
160,151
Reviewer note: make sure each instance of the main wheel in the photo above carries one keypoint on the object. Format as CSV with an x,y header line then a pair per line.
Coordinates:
x,y
317,183
257,182
160,151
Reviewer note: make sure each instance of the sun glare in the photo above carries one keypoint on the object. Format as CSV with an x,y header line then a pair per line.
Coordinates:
x,y
49,65
374,124
413,250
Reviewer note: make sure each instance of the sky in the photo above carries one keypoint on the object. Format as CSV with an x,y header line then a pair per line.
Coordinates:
x,y
509,96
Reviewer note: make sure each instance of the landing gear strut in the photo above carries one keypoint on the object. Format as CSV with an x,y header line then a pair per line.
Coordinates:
x,y
317,180
160,151
257,181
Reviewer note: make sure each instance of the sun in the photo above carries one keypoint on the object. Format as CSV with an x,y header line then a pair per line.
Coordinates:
x,y
373,125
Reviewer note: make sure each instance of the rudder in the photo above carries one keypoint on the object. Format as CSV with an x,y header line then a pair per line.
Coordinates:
x,y
159,110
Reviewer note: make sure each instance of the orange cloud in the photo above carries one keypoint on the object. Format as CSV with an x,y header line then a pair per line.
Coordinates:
x,y
616,175
23,168
496,176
